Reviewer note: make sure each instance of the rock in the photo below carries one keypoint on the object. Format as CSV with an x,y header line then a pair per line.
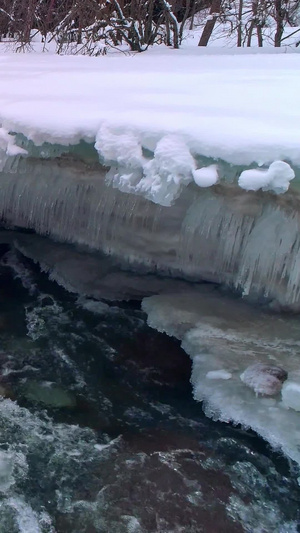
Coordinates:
x,y
291,395
264,379
5,392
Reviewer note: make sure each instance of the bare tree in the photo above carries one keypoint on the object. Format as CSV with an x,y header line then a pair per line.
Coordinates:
x,y
256,22
210,24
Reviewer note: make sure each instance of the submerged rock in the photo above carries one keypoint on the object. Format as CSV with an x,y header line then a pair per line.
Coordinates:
x,y
49,394
264,379
5,392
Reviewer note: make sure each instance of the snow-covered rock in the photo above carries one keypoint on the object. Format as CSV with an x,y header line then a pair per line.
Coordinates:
x,y
264,379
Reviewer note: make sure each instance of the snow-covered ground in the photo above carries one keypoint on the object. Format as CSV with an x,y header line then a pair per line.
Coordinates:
x,y
161,116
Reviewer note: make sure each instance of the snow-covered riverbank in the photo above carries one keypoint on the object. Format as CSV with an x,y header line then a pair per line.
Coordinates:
x,y
162,116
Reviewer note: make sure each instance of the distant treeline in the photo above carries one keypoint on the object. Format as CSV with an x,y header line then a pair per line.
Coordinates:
x,y
90,26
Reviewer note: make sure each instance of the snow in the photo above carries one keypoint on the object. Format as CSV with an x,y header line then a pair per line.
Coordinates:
x,y
153,116
206,176
218,374
8,147
277,178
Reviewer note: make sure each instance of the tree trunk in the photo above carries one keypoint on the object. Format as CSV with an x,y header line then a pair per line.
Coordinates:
x,y
29,21
193,14
259,36
210,24
279,16
149,22
255,23
239,31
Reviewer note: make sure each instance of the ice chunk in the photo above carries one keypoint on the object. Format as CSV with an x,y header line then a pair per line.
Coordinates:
x,y
218,374
206,176
291,395
8,144
276,178
220,333
94,306
264,379
8,148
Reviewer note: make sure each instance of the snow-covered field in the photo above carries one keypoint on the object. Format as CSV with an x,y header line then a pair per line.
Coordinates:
x,y
163,115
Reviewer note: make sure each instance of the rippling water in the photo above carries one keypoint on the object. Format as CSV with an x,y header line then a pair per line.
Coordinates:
x,y
99,431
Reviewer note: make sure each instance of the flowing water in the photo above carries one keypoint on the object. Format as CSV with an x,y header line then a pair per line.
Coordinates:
x,y
100,433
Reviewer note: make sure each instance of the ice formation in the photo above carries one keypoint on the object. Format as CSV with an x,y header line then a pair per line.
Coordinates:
x,y
247,240
160,178
226,338
291,395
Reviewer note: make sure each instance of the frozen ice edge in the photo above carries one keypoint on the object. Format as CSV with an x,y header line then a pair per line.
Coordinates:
x,y
223,337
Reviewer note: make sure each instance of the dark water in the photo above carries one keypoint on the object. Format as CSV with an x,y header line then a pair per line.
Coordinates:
x,y
99,431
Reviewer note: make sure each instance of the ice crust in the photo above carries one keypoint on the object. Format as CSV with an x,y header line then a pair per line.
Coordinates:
x,y
223,336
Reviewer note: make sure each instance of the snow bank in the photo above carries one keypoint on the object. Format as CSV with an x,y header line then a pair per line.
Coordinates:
x,y
224,338
161,119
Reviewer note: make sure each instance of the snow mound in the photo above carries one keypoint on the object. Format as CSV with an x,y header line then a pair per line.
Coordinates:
x,y
276,178
206,176
159,179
